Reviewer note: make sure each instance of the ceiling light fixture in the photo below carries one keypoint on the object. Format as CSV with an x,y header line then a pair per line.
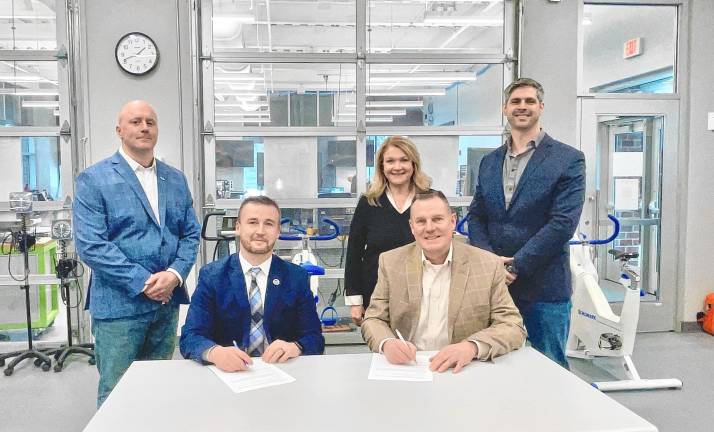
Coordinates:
x,y
415,92
40,104
422,76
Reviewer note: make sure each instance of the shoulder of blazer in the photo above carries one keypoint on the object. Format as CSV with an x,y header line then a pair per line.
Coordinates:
x,y
280,266
466,252
401,253
104,165
168,169
220,268
564,151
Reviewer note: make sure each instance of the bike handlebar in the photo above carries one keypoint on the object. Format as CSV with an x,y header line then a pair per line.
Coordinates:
x,y
612,237
335,233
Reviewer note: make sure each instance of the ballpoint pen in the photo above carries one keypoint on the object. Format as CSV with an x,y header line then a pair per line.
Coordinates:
x,y
403,340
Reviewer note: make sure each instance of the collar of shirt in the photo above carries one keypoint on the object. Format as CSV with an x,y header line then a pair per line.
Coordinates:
x,y
407,203
261,278
428,264
246,266
134,165
532,144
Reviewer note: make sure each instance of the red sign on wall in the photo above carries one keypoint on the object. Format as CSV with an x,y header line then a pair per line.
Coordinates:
x,y
632,48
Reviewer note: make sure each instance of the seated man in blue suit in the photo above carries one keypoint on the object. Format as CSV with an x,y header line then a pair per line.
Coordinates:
x,y
136,229
252,303
526,208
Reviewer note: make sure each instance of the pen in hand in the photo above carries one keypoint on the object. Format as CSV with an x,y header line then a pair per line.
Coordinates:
x,y
399,335
235,344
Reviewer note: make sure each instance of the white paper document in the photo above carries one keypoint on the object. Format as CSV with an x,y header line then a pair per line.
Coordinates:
x,y
259,375
381,369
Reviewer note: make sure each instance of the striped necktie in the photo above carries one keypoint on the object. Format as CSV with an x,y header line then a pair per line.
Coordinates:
x,y
257,333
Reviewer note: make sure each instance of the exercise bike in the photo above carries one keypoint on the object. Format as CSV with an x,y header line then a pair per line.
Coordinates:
x,y
595,330
306,259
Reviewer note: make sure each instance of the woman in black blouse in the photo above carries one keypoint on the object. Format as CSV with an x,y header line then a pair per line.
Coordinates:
x,y
381,219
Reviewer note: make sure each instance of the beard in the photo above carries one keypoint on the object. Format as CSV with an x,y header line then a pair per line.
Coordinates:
x,y
256,250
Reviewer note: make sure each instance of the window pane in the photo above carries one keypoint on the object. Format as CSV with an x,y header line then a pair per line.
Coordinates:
x,y
28,25
452,162
435,26
29,95
31,164
286,167
284,94
434,95
239,167
337,167
629,48
283,26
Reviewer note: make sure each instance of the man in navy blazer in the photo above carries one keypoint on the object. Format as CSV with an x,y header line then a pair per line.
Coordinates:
x,y
525,209
136,229
252,303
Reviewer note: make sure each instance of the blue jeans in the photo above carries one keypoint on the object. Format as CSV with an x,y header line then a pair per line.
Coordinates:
x,y
548,325
118,342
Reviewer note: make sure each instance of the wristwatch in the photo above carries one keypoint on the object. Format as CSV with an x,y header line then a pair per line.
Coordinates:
x,y
511,268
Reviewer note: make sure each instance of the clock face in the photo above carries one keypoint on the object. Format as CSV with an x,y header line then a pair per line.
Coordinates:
x,y
61,230
136,53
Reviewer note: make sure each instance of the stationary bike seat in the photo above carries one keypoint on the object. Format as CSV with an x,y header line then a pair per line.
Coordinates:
x,y
623,256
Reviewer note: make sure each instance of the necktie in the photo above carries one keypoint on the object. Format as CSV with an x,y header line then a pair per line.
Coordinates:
x,y
257,333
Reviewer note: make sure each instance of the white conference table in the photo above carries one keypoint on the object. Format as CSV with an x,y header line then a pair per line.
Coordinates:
x,y
522,391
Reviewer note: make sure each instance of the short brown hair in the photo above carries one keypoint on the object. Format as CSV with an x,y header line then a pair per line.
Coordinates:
x,y
261,200
433,193
524,82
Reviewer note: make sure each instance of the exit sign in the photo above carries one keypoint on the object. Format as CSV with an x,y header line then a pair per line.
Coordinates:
x,y
632,48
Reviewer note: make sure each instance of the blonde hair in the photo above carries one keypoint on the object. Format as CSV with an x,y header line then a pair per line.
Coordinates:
x,y
419,182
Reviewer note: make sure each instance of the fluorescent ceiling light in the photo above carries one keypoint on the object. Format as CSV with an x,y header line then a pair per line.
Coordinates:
x,y
231,19
242,93
378,112
390,104
244,114
242,105
40,104
16,92
380,120
28,17
462,21
18,79
415,92
239,77
255,120
422,76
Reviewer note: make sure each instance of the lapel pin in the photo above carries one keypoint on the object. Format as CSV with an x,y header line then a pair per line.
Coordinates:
x,y
276,281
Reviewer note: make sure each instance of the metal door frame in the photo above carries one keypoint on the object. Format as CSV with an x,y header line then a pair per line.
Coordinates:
x,y
658,315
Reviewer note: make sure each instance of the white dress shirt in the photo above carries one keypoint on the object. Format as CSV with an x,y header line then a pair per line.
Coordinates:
x,y
261,277
149,183
432,330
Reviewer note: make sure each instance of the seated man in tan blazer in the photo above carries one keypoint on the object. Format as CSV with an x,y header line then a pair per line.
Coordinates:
x,y
441,295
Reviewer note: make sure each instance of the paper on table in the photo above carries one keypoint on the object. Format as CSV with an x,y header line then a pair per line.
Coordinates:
x,y
259,375
381,369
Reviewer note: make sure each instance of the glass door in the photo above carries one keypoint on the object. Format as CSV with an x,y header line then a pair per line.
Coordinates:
x,y
631,150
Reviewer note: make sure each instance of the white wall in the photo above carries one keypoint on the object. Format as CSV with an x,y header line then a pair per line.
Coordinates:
x,y
698,279
108,88
549,55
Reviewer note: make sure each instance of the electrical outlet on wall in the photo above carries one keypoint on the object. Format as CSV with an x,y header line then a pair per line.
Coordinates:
x,y
710,121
